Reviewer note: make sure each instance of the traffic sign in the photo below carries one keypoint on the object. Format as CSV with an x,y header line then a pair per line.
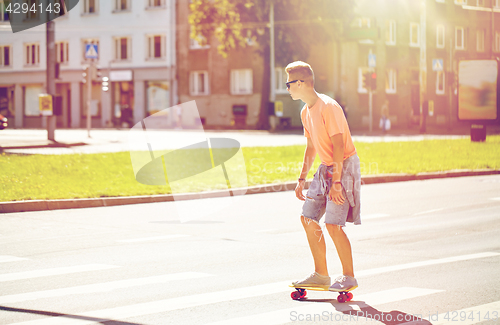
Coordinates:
x,y
45,104
91,51
372,60
278,108
437,64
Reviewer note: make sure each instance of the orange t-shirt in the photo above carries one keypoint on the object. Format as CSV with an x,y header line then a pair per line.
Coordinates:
x,y
322,121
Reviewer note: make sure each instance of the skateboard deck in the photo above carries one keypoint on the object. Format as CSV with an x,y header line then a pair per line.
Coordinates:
x,y
301,292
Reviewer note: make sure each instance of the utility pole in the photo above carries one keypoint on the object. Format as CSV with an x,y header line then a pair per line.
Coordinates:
x,y
90,77
450,85
51,74
423,53
271,44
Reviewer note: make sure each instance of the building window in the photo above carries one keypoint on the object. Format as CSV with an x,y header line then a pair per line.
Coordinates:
x,y
194,44
459,38
156,3
4,15
390,32
440,36
480,40
31,14
361,22
414,34
62,7
480,3
156,47
32,52
461,2
198,81
121,5
5,55
123,49
440,82
62,52
90,6
85,42
281,76
31,101
241,82
390,81
496,3
158,96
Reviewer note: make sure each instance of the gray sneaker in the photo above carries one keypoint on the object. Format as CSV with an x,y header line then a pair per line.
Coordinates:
x,y
344,283
313,280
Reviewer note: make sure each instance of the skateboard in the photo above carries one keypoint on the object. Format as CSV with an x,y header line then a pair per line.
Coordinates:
x,y
300,293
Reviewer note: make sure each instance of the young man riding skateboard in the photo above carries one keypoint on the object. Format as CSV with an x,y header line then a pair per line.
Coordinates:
x,y
334,191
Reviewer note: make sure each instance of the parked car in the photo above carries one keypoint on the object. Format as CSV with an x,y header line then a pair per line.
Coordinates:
x,y
4,123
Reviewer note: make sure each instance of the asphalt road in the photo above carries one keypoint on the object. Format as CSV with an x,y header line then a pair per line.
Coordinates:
x,y
425,248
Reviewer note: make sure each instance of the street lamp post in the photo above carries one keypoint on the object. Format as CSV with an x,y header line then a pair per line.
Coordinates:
x,y
51,74
423,61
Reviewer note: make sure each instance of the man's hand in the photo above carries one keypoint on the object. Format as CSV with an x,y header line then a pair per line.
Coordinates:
x,y
298,190
335,194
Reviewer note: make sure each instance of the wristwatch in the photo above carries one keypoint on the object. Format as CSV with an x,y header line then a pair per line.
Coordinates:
x,y
302,179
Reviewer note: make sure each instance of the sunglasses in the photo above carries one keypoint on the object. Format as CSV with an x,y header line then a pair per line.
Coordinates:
x,y
291,82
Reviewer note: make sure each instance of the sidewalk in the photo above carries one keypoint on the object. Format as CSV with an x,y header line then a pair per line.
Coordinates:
x,y
71,141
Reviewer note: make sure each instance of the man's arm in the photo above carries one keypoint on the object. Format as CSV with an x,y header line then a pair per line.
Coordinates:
x,y
309,156
338,161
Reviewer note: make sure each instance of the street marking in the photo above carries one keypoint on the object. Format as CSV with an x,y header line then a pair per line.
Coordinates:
x,y
472,315
8,258
400,267
101,287
166,305
336,313
375,216
428,211
138,240
55,271
161,306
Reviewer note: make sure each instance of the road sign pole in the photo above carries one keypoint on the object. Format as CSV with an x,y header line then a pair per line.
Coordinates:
x,y
51,75
370,107
89,96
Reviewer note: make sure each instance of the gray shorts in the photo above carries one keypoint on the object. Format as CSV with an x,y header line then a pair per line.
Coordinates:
x,y
317,202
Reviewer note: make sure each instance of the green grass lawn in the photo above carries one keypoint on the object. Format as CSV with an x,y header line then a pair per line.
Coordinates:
x,y
34,177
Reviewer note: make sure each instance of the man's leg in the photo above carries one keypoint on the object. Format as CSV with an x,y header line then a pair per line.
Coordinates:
x,y
316,244
343,246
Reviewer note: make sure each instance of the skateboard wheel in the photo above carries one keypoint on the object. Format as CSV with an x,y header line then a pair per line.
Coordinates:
x,y
303,293
349,296
341,298
296,295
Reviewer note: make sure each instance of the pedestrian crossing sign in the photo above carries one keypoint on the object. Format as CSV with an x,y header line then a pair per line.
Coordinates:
x,y
91,51
437,64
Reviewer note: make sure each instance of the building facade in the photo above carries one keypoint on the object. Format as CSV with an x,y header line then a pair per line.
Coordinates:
x,y
136,48
399,34
228,90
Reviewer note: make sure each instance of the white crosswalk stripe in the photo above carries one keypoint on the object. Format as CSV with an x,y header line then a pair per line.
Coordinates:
x,y
164,305
190,301
8,258
301,313
407,266
468,316
54,271
138,240
101,287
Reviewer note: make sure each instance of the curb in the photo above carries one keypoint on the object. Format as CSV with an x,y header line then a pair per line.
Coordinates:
x,y
43,205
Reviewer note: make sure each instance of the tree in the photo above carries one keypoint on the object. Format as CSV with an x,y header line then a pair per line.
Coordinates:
x,y
299,24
